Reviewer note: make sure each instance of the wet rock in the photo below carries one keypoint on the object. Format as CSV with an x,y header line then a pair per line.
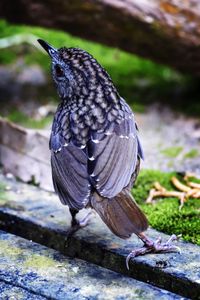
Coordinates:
x,y
10,292
170,140
25,153
32,271
31,75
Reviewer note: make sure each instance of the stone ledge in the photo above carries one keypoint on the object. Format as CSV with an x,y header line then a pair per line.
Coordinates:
x,y
37,272
37,215
9,292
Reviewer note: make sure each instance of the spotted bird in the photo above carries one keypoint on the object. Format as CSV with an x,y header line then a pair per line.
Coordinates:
x,y
95,149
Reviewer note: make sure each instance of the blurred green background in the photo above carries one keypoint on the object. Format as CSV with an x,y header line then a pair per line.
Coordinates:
x,y
139,81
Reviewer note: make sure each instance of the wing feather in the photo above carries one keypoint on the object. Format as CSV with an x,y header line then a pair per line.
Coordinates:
x,y
70,176
114,159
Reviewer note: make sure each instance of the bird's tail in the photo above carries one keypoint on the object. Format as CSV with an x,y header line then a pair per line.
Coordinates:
x,y
120,213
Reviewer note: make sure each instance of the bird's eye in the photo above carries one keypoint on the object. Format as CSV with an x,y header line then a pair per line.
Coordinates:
x,y
59,71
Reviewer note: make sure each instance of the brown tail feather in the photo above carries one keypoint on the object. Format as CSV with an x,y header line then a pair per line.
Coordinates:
x,y
121,214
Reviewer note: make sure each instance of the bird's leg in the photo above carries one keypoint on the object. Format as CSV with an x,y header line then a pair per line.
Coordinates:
x,y
74,221
153,247
75,224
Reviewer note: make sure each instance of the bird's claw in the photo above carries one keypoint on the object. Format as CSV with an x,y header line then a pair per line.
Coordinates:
x,y
141,251
154,247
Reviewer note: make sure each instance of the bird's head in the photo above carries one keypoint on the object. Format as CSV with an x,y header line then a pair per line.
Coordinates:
x,y
75,71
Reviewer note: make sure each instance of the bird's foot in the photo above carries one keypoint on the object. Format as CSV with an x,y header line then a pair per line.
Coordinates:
x,y
153,247
76,225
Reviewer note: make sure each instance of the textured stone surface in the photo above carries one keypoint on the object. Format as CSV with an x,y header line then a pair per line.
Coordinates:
x,y
38,215
10,292
161,129
19,148
39,273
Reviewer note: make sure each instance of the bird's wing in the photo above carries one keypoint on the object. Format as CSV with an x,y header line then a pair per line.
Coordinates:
x,y
113,158
70,176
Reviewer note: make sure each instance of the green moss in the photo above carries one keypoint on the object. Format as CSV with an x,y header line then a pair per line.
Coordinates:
x,y
38,261
138,80
5,199
145,182
172,152
117,62
22,119
164,214
192,154
195,179
7,250
138,107
2,188
170,164
3,195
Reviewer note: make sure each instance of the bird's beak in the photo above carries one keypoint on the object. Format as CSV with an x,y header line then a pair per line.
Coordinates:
x,y
50,50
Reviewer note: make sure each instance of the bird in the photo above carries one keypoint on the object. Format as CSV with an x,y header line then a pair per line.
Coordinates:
x,y
95,148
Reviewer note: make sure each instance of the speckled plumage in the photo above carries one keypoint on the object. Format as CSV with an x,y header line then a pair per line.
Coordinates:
x,y
95,151
92,107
